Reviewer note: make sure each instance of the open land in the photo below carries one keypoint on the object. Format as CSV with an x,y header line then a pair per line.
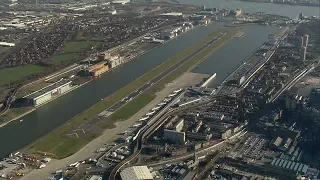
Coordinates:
x,y
19,73
74,51
61,145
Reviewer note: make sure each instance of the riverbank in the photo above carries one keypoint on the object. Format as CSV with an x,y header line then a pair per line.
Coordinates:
x,y
58,143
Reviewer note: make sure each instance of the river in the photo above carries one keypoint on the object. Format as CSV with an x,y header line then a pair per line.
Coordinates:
x,y
17,134
36,124
279,9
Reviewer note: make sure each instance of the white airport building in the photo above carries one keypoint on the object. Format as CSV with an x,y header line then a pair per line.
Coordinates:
x,y
136,173
48,93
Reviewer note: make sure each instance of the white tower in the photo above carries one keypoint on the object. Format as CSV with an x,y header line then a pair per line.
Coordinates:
x,y
305,40
303,53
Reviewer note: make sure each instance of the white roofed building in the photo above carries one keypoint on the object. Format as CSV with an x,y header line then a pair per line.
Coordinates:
x,y
136,173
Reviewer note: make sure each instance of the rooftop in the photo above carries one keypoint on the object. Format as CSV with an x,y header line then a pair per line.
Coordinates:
x,y
136,173
47,89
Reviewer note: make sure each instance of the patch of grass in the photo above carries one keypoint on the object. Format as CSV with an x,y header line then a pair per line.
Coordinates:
x,y
14,112
132,107
4,49
79,46
52,143
74,51
63,58
10,75
62,147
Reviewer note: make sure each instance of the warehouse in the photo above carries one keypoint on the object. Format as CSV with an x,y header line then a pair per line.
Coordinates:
x,y
46,94
95,69
136,173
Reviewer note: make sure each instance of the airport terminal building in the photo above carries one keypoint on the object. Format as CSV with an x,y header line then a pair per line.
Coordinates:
x,y
48,93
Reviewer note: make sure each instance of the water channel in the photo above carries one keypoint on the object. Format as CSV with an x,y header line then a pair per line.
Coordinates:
x,y
279,9
18,134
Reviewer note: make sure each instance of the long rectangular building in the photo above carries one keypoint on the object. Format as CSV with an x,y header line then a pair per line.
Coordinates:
x,y
46,94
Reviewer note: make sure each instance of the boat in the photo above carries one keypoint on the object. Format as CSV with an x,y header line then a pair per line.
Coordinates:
x,y
21,120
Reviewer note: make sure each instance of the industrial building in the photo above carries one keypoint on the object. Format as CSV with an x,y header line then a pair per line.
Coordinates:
x,y
174,136
173,130
46,94
281,143
136,173
199,136
290,165
115,62
96,69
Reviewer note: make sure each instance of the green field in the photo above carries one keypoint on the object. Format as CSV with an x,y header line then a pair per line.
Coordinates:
x,y
132,107
55,142
74,51
66,57
13,113
10,75
4,49
79,46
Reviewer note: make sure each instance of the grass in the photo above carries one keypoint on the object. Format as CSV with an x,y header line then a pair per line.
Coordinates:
x,y
59,58
56,141
79,46
13,113
132,107
74,51
10,75
4,49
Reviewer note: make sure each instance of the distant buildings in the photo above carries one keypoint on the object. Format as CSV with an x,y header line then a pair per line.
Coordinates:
x,y
301,16
172,14
136,173
236,12
120,2
112,12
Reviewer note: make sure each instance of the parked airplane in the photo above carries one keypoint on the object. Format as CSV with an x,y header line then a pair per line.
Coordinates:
x,y
150,113
144,118
137,125
156,108
179,90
